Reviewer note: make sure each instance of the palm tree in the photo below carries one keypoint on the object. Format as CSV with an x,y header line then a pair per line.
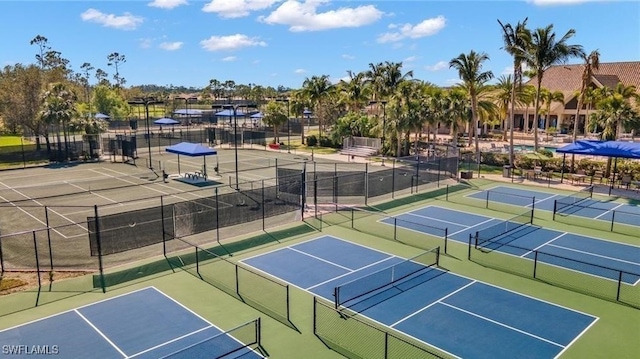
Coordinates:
x,y
591,97
275,116
526,97
318,90
516,41
543,52
355,92
457,111
469,67
503,95
591,64
548,98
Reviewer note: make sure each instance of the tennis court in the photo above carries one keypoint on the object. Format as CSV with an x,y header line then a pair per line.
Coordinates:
x,y
579,204
522,239
141,324
458,315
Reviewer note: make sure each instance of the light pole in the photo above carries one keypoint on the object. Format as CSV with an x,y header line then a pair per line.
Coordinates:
x,y
288,123
384,121
234,108
186,104
146,101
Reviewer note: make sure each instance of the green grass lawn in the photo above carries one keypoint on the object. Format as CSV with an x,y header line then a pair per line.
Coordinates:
x,y
6,141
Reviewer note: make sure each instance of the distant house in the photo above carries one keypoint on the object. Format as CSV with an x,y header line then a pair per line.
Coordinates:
x,y
568,79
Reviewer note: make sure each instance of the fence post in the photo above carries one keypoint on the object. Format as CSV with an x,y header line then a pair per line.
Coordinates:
x,y
446,238
259,332
35,251
197,262
613,218
619,285
288,305
366,183
46,216
535,263
218,217
395,228
262,205
386,345
315,315
438,178
469,250
237,281
533,208
1,257
352,218
393,178
447,194
99,244
486,205
303,190
417,172
164,236
555,207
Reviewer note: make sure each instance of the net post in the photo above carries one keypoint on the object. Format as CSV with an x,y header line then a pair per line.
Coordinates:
x,y
315,314
288,304
336,296
533,209
447,194
619,286
46,215
35,251
446,238
476,239
197,261
437,256
259,332
555,208
469,250
535,263
613,218
395,228
486,205
99,244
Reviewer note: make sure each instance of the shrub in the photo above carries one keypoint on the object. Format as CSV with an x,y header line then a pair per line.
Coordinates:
x,y
312,140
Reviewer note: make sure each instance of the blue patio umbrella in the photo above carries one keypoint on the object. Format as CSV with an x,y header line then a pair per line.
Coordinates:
x,y
101,116
166,121
257,115
188,112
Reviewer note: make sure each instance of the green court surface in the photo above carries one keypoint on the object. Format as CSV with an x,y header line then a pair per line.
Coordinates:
x,y
614,334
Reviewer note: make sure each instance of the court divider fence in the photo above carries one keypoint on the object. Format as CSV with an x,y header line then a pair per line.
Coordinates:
x,y
587,278
610,220
354,336
243,283
495,200
399,228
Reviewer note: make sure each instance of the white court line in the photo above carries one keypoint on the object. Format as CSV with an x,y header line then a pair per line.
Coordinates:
x,y
100,333
172,341
435,219
432,303
32,216
544,244
89,191
596,255
323,260
544,199
475,225
346,274
576,338
503,325
608,210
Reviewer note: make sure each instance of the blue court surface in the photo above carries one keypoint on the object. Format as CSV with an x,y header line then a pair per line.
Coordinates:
x,y
589,208
458,315
603,254
141,324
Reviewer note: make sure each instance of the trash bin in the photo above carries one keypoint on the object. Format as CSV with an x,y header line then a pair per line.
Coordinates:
x,y
506,171
466,174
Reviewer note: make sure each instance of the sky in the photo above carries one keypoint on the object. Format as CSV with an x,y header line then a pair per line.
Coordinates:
x,y
276,42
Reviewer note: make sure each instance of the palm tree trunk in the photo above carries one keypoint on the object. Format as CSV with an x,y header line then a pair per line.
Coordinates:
x,y
535,119
512,124
476,125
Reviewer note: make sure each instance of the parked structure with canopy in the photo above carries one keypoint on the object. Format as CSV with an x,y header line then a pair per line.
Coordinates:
x,y
613,149
193,150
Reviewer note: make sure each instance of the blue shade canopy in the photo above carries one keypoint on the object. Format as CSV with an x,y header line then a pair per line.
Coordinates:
x,y
191,149
307,112
188,111
229,113
101,116
257,115
618,149
166,121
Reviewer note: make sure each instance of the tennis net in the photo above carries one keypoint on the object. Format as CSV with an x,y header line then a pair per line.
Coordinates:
x,y
385,277
573,199
240,341
504,227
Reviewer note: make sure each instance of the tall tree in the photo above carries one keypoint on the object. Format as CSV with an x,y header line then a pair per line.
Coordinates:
x,y
516,41
276,116
545,51
58,108
591,64
318,90
355,92
469,67
548,97
116,59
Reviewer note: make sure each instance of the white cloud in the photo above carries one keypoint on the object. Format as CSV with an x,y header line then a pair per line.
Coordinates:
x,y
427,27
509,69
440,65
304,16
559,2
237,8
145,43
167,4
452,82
229,59
171,46
300,71
123,22
230,42
348,57
410,59
336,80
